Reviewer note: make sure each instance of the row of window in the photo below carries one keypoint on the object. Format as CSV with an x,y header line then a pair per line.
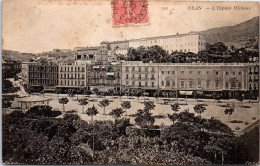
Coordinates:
x,y
93,81
182,72
253,86
198,72
169,39
140,84
199,84
43,82
139,69
191,84
72,83
43,75
72,69
139,76
254,69
43,68
71,76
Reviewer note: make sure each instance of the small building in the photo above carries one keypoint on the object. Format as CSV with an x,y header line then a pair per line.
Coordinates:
x,y
28,102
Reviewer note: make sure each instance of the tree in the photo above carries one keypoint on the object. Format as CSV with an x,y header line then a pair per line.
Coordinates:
x,y
7,101
83,102
63,101
92,111
126,105
175,107
116,113
6,104
199,108
149,105
173,117
229,112
144,119
7,86
104,103
240,98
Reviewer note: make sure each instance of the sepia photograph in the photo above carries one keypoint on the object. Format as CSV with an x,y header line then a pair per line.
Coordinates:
x,y
130,82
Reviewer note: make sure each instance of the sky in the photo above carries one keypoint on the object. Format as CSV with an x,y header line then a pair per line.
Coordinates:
x,y
34,26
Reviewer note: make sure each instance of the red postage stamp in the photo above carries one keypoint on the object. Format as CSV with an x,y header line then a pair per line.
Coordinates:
x,y
130,12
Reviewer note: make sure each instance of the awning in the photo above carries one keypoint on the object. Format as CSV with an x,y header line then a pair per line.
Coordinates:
x,y
103,67
110,74
199,92
146,94
95,67
187,93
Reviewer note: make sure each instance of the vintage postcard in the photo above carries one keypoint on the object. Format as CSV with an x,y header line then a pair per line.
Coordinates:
x,y
130,82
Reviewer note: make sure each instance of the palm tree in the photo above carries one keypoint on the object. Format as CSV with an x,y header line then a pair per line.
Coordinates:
x,y
199,108
175,107
172,117
126,105
149,105
144,119
229,112
83,102
63,101
104,103
92,111
116,113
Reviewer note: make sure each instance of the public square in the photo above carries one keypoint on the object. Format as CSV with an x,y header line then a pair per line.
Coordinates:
x,y
248,112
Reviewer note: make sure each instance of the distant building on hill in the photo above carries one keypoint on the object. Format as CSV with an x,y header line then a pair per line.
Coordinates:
x,y
190,42
99,53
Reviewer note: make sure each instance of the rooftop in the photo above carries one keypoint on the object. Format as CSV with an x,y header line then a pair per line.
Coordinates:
x,y
152,38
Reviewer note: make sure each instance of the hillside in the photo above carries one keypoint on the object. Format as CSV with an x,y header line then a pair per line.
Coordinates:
x,y
25,57
15,55
248,28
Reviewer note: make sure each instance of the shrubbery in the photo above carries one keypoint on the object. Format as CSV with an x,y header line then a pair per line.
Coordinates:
x,y
69,140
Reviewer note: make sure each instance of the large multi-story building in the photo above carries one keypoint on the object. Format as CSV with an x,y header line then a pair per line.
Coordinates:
x,y
137,75
104,75
170,77
72,75
253,76
190,42
134,76
43,73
